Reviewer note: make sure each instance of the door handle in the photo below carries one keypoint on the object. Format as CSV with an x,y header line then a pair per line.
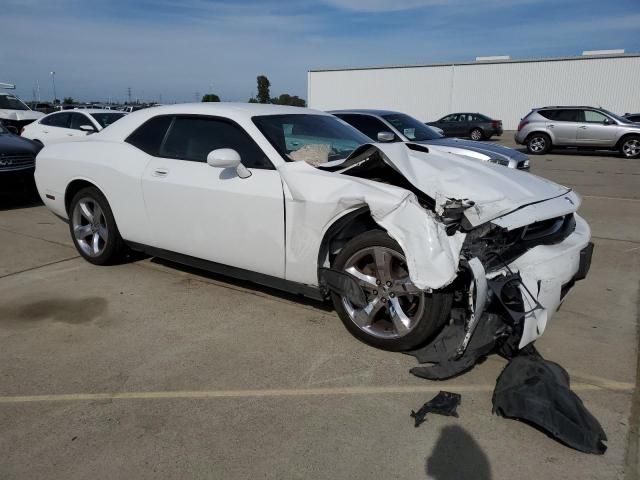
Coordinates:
x,y
551,126
45,131
582,127
69,134
160,172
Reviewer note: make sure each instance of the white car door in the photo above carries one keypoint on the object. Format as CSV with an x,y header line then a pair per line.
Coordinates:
x,y
208,212
52,128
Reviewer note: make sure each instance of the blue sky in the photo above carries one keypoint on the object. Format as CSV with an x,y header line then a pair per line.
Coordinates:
x,y
175,48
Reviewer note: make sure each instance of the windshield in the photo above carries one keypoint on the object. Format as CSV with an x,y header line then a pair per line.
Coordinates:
x,y
12,103
314,139
106,119
617,117
411,128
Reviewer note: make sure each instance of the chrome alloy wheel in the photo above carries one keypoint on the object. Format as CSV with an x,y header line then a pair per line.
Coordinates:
x,y
631,147
395,304
90,227
537,144
476,135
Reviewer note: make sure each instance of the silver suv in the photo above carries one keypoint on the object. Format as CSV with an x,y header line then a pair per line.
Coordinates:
x,y
581,127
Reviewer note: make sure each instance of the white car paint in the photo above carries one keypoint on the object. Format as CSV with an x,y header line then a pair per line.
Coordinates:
x,y
273,222
46,134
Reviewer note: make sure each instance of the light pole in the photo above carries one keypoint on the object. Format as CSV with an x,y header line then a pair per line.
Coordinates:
x,y
53,80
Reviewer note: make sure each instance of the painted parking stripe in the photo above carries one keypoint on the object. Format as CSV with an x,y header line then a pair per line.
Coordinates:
x,y
305,392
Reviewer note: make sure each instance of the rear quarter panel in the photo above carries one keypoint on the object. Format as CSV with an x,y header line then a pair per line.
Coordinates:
x,y
113,167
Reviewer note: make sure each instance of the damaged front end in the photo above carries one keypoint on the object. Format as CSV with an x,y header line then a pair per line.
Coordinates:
x,y
510,283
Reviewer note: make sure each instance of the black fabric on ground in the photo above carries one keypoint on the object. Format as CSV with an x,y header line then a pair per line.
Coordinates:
x,y
445,403
537,391
442,351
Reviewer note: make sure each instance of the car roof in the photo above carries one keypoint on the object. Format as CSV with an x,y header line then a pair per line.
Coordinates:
x,y
365,111
239,112
569,107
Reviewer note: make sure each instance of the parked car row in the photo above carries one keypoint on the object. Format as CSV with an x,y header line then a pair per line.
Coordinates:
x,y
390,126
401,236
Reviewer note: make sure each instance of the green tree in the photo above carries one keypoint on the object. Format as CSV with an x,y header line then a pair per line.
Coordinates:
x,y
68,101
263,89
210,97
286,99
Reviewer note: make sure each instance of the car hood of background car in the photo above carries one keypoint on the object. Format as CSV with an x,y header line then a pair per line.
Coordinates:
x,y
12,144
20,114
491,150
494,189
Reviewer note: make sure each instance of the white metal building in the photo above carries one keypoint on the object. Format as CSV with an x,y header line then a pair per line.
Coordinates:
x,y
502,88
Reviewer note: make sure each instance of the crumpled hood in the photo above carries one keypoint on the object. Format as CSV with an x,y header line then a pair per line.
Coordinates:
x,y
20,114
488,149
494,189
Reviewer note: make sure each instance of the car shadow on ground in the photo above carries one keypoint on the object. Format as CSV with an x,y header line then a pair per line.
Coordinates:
x,y
244,284
457,456
19,201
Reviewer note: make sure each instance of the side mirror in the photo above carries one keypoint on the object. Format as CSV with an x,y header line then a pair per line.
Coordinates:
x,y
87,128
228,158
386,137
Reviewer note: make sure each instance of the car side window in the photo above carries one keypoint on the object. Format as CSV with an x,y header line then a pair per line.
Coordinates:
x,y
57,120
568,115
367,124
193,138
149,136
591,116
548,114
450,118
78,119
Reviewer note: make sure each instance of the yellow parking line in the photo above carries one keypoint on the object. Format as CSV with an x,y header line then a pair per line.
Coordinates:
x,y
305,392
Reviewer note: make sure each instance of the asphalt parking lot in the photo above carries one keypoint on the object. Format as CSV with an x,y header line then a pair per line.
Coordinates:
x,y
148,369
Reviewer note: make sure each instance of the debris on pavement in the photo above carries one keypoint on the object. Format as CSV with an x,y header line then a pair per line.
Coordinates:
x,y
444,403
442,352
537,391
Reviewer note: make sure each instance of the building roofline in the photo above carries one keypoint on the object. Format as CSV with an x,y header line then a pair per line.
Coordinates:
x,y
484,62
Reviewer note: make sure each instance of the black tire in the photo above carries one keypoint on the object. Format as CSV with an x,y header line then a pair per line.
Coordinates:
x,y
112,249
435,309
630,146
538,143
476,134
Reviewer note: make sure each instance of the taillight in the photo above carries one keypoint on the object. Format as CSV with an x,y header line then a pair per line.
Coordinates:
x,y
21,130
522,124
494,124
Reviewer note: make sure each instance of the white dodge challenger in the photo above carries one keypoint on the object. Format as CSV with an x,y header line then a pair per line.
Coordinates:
x,y
400,238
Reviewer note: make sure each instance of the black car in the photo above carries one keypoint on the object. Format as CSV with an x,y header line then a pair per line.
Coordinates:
x,y
474,125
632,117
17,163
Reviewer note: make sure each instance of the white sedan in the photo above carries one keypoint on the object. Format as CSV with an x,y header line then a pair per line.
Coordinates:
x,y
60,126
400,238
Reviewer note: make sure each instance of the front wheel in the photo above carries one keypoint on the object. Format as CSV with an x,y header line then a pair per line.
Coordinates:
x,y
93,228
398,316
630,147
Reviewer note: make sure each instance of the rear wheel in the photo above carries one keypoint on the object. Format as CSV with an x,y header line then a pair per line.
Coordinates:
x,y
630,147
538,143
476,134
398,316
93,228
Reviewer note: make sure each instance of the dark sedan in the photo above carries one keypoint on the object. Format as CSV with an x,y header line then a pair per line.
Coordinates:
x,y
474,125
17,163
632,117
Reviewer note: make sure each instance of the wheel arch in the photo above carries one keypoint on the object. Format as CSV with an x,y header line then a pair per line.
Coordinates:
x,y
625,137
74,187
343,229
539,132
